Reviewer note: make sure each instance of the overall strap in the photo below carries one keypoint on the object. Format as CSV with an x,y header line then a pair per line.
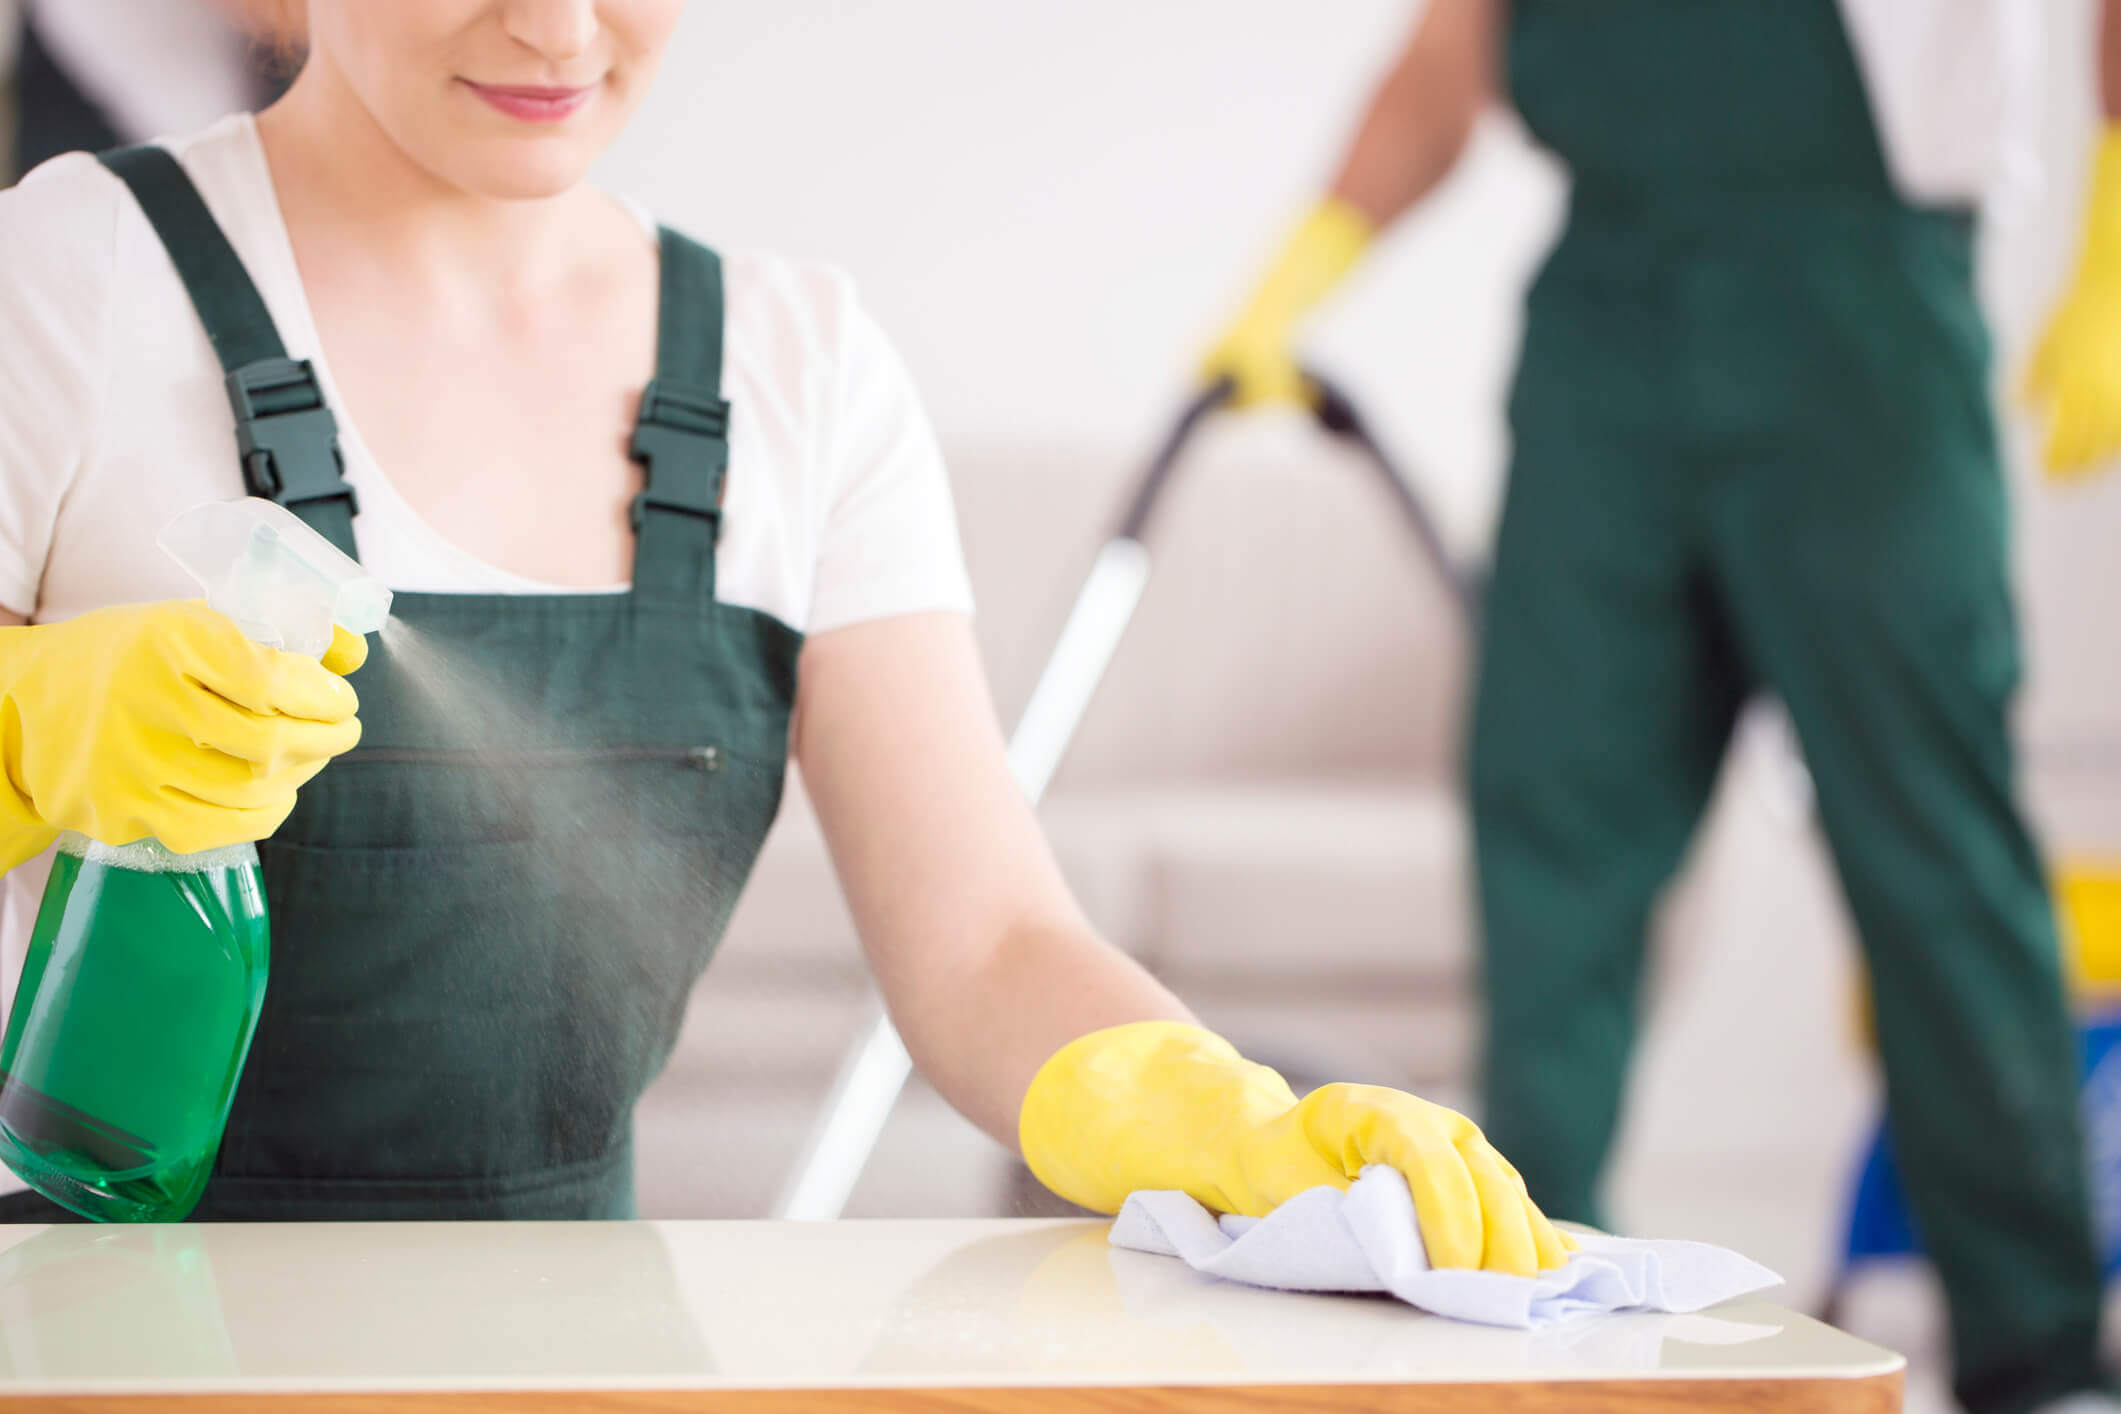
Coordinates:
x,y
288,438
682,435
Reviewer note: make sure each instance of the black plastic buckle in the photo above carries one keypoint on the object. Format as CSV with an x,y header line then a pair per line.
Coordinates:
x,y
678,425
648,500
288,438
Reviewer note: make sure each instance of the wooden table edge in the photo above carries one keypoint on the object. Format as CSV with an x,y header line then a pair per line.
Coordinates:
x,y
1867,1394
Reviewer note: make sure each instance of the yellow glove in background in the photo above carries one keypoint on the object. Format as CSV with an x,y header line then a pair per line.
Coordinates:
x,y
2076,373
1164,1105
161,720
1254,353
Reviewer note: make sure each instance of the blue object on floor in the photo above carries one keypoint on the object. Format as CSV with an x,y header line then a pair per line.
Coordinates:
x,y
1879,1225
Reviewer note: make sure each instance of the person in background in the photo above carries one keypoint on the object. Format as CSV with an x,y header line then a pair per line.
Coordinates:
x,y
1754,451
91,74
486,918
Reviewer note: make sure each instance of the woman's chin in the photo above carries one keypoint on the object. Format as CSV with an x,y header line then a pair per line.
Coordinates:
x,y
520,170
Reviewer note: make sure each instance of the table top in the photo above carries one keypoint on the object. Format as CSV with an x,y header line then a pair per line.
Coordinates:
x,y
364,1307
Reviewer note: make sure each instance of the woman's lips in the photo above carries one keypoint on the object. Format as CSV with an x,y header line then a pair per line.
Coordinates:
x,y
533,104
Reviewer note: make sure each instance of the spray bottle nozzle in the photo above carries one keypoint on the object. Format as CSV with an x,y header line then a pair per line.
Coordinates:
x,y
282,583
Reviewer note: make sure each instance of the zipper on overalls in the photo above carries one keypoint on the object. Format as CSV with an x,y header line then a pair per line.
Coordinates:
x,y
699,758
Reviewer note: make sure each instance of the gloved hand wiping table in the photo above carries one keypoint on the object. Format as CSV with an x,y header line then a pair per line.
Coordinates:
x,y
1211,1158
1162,1105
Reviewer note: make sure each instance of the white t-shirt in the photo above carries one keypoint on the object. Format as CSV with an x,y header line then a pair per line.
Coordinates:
x,y
113,418
1954,89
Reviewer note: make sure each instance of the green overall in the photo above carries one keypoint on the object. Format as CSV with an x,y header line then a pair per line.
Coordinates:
x,y
1753,451
487,918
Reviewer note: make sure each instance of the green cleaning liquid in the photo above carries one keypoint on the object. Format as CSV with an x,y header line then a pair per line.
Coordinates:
x,y
130,1026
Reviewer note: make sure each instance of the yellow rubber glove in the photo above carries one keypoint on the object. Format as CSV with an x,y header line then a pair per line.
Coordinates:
x,y
161,720
1255,353
2088,905
2076,373
1164,1105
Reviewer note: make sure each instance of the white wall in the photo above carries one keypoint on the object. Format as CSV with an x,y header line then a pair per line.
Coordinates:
x,y
1052,205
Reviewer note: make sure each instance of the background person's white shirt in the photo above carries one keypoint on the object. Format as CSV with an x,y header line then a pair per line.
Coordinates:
x,y
1954,90
113,419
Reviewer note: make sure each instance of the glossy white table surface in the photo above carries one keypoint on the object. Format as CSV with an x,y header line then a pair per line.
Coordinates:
x,y
698,1306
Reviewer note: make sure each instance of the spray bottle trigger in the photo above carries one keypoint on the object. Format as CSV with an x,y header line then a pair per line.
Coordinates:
x,y
282,584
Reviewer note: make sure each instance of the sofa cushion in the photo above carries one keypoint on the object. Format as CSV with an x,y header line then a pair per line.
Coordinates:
x,y
1290,626
1311,884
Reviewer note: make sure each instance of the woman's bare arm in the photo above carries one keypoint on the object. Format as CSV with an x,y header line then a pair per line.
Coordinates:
x,y
986,962
1423,113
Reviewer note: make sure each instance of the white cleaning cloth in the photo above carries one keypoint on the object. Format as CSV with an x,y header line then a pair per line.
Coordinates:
x,y
1366,1239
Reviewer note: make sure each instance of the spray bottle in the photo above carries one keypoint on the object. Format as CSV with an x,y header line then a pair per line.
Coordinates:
x,y
146,970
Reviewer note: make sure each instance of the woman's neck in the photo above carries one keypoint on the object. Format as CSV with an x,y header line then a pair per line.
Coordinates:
x,y
345,185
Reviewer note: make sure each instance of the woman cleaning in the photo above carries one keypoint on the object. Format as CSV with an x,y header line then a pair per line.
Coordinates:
x,y
391,303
